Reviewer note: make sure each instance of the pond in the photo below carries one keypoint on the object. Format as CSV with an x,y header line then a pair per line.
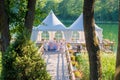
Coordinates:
x,y
110,31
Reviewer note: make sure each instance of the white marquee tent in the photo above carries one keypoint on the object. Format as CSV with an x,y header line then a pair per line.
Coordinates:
x,y
51,24
78,26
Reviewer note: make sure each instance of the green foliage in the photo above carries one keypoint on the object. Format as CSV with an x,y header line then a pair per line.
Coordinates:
x,y
23,62
105,10
108,66
74,63
64,9
72,57
69,10
40,13
83,66
17,11
78,74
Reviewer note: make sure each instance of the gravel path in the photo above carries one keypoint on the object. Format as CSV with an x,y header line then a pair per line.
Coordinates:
x,y
56,65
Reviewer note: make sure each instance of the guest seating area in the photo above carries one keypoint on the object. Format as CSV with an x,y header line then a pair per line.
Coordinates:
x,y
54,46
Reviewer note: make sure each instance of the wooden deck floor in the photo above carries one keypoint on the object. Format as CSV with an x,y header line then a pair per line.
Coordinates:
x,y
56,65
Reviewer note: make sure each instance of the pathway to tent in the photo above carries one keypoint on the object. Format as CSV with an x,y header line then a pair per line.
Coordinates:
x,y
56,65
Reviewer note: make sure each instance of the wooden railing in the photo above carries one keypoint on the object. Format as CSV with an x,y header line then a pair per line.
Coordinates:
x,y
72,76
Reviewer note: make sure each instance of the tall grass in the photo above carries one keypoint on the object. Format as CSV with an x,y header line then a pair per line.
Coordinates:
x,y
83,65
108,66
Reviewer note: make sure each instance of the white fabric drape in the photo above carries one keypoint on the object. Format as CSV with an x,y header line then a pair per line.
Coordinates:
x,y
82,36
68,35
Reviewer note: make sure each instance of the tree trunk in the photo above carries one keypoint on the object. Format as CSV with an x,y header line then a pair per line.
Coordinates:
x,y
91,40
29,18
4,27
117,71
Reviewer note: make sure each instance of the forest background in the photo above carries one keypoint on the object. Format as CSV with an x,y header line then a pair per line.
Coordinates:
x,y
69,10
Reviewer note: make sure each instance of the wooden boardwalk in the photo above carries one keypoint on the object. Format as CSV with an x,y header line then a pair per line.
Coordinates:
x,y
56,65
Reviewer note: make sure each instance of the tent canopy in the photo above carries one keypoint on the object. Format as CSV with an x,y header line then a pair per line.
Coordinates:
x,y
51,23
78,25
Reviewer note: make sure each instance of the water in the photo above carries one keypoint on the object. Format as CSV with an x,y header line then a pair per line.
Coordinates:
x,y
110,31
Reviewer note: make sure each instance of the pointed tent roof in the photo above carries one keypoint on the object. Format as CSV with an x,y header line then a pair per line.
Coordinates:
x,y
78,24
51,23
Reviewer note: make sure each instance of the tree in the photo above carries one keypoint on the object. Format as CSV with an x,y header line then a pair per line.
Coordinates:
x,y
117,71
22,61
16,11
40,12
106,10
29,18
91,40
63,8
4,27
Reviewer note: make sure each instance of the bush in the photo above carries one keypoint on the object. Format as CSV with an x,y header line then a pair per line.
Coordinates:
x,y
68,45
71,51
23,62
108,66
72,58
74,63
78,74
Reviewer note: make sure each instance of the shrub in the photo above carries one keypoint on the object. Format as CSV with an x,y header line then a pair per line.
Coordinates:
x,y
108,66
71,51
72,58
74,63
78,74
68,45
23,62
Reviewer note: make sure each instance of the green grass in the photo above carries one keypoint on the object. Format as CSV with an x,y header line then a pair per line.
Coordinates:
x,y
108,66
